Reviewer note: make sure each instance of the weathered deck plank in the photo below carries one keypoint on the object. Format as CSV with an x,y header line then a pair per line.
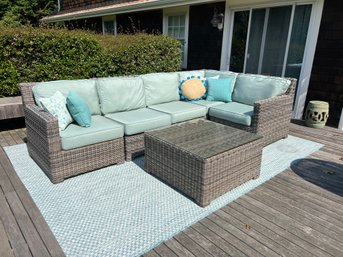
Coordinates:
x,y
320,221
273,248
27,228
297,213
15,237
265,230
289,177
11,107
242,246
204,242
27,231
217,240
5,247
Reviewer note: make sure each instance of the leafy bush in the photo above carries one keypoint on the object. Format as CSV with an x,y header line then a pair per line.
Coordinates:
x,y
9,79
36,54
142,53
20,12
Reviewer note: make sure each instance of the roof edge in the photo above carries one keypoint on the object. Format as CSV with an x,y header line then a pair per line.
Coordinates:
x,y
139,5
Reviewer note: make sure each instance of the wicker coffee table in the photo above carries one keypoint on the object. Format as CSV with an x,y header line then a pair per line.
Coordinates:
x,y
203,159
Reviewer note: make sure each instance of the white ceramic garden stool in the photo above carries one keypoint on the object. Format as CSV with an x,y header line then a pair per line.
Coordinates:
x,y
317,113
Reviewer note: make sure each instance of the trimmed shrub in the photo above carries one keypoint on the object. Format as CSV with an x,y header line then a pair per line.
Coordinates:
x,y
36,54
142,53
9,78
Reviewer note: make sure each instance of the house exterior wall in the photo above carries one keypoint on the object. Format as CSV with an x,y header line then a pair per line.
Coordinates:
x,y
73,4
204,41
149,22
326,81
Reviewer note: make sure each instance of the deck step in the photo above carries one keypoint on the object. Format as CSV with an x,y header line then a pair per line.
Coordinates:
x,y
11,107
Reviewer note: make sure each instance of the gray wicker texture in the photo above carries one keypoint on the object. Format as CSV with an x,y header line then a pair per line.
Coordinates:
x,y
271,117
203,160
134,146
44,145
271,120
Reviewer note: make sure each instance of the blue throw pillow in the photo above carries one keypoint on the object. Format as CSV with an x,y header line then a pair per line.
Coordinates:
x,y
219,89
79,109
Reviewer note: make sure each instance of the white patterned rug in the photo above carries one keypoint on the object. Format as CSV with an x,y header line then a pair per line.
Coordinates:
x,y
122,210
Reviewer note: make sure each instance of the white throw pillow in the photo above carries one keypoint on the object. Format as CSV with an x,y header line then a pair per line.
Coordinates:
x,y
214,77
56,105
184,75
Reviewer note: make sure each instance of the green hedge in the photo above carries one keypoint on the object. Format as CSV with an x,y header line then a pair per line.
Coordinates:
x,y
36,54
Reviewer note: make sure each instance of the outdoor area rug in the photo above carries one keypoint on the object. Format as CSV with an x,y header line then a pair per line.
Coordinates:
x,y
123,211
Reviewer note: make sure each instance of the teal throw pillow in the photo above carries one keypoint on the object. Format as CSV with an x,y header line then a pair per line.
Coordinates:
x,y
219,89
79,109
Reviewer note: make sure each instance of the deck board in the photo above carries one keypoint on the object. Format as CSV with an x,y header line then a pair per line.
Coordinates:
x,y
26,229
297,213
242,246
278,239
11,107
204,242
191,245
15,237
217,240
5,247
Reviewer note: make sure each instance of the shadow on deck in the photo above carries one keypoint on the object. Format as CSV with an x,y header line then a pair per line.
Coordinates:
x,y
325,174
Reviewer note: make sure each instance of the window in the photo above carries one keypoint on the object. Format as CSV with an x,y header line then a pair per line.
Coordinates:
x,y
239,40
176,27
270,41
109,27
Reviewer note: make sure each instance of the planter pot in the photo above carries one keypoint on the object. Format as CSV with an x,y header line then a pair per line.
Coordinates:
x,y
317,113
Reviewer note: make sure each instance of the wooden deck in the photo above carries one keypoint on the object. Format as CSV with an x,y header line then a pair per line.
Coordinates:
x,y
23,230
11,107
297,213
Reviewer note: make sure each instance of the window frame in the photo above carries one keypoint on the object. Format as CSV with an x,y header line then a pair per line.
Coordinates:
x,y
109,19
178,11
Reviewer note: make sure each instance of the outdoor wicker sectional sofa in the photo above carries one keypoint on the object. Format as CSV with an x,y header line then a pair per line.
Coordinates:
x,y
123,108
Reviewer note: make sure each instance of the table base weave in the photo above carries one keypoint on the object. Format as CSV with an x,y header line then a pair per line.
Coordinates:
x,y
202,180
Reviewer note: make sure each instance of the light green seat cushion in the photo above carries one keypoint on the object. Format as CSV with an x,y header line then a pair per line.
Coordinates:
x,y
84,88
208,104
120,94
161,87
101,130
251,88
141,120
234,112
222,74
181,111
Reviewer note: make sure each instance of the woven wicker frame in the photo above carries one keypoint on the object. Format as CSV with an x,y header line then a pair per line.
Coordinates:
x,y
202,179
271,117
44,145
271,120
134,146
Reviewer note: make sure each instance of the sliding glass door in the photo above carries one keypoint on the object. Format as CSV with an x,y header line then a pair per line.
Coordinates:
x,y
270,41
